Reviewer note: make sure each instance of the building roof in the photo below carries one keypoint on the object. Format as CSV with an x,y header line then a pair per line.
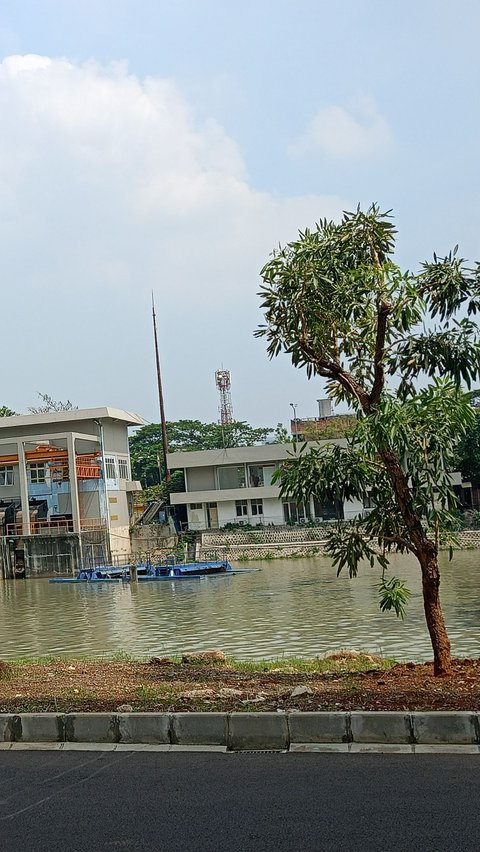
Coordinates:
x,y
264,453
76,414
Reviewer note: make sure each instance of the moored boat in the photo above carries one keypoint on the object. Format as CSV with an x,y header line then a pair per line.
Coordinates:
x,y
148,572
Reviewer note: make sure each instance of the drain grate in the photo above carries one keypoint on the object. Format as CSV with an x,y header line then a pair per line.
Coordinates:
x,y
258,751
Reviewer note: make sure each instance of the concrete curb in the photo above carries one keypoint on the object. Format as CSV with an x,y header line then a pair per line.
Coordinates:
x,y
356,731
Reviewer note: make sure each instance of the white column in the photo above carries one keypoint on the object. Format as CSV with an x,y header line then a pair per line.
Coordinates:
x,y
72,470
22,474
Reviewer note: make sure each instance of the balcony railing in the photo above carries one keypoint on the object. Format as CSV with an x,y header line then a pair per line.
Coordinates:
x,y
56,527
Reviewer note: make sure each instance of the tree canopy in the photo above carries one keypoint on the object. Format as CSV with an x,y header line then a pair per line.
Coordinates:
x,y
399,347
184,435
49,404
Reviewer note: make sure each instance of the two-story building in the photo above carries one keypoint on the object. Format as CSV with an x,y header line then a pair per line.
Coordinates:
x,y
235,486
65,482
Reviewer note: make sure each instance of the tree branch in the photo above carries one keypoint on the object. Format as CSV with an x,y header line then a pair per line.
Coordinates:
x,y
331,369
395,539
383,311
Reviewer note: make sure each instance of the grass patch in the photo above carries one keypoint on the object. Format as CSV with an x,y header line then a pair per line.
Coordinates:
x,y
339,662
121,657
146,693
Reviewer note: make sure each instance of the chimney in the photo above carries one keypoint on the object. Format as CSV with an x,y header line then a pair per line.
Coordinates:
x,y
324,408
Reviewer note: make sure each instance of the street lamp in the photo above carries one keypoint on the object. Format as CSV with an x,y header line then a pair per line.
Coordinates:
x,y
294,406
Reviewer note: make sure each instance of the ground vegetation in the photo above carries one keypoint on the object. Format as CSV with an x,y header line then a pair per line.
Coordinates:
x,y
344,680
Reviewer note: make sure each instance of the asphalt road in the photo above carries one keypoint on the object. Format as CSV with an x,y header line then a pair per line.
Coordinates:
x,y
77,801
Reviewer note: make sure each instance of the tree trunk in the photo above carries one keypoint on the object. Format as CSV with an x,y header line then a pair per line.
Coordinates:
x,y
427,555
428,559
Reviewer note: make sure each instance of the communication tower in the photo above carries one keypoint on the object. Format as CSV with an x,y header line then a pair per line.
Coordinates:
x,y
223,383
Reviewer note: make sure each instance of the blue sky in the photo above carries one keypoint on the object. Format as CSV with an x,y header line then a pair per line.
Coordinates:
x,y
171,145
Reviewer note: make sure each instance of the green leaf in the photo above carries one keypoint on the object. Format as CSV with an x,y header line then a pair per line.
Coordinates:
x,y
394,595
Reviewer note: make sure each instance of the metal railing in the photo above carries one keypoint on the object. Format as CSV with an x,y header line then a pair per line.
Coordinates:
x,y
56,527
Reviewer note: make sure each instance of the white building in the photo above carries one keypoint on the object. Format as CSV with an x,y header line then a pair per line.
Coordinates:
x,y
235,486
66,473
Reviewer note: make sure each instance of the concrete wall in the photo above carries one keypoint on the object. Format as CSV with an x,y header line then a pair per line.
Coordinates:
x,y
52,554
273,511
152,538
259,493
115,438
352,508
237,455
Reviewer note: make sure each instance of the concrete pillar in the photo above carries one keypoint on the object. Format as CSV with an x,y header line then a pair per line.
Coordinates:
x,y
22,474
72,469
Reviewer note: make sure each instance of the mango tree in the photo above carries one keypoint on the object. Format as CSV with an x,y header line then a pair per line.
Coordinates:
x,y
399,348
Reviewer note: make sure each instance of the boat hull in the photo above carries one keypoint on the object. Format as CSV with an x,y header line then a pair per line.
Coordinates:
x,y
155,573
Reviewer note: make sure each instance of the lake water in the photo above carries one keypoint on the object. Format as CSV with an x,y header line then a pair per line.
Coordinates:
x,y
292,607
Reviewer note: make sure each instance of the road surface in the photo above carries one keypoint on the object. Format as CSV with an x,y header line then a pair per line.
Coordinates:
x,y
192,802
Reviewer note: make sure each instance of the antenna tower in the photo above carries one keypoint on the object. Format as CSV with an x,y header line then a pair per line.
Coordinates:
x,y
223,383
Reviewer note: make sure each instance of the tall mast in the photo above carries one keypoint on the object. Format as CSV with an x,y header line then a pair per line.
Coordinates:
x,y
160,395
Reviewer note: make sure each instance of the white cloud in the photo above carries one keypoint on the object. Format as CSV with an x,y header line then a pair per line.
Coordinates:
x,y
344,134
110,187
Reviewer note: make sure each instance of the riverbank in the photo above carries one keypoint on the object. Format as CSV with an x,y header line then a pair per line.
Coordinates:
x,y
211,682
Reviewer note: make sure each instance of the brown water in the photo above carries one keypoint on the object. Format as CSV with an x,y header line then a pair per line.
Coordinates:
x,y
291,607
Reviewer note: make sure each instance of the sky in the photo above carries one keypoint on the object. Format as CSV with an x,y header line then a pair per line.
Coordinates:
x,y
168,146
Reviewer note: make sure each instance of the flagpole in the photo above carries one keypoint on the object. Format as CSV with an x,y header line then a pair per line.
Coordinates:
x,y
160,395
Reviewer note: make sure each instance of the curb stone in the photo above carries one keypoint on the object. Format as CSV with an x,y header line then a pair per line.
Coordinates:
x,y
258,731
317,731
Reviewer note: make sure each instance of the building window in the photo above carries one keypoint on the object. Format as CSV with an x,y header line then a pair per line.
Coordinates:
x,y
110,467
327,510
241,508
196,505
123,471
231,477
259,475
37,472
6,475
368,502
294,513
257,507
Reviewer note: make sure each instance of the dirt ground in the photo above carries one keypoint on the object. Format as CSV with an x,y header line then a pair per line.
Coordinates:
x,y
209,682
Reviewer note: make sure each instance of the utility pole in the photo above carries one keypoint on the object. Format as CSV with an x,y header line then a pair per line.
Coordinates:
x,y
160,395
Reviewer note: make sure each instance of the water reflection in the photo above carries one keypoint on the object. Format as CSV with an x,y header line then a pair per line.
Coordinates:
x,y
291,607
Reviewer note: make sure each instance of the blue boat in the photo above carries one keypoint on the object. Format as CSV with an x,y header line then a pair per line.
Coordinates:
x,y
193,571
146,572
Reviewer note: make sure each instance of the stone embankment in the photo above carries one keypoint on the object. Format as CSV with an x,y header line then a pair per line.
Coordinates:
x,y
282,542
266,542
354,731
